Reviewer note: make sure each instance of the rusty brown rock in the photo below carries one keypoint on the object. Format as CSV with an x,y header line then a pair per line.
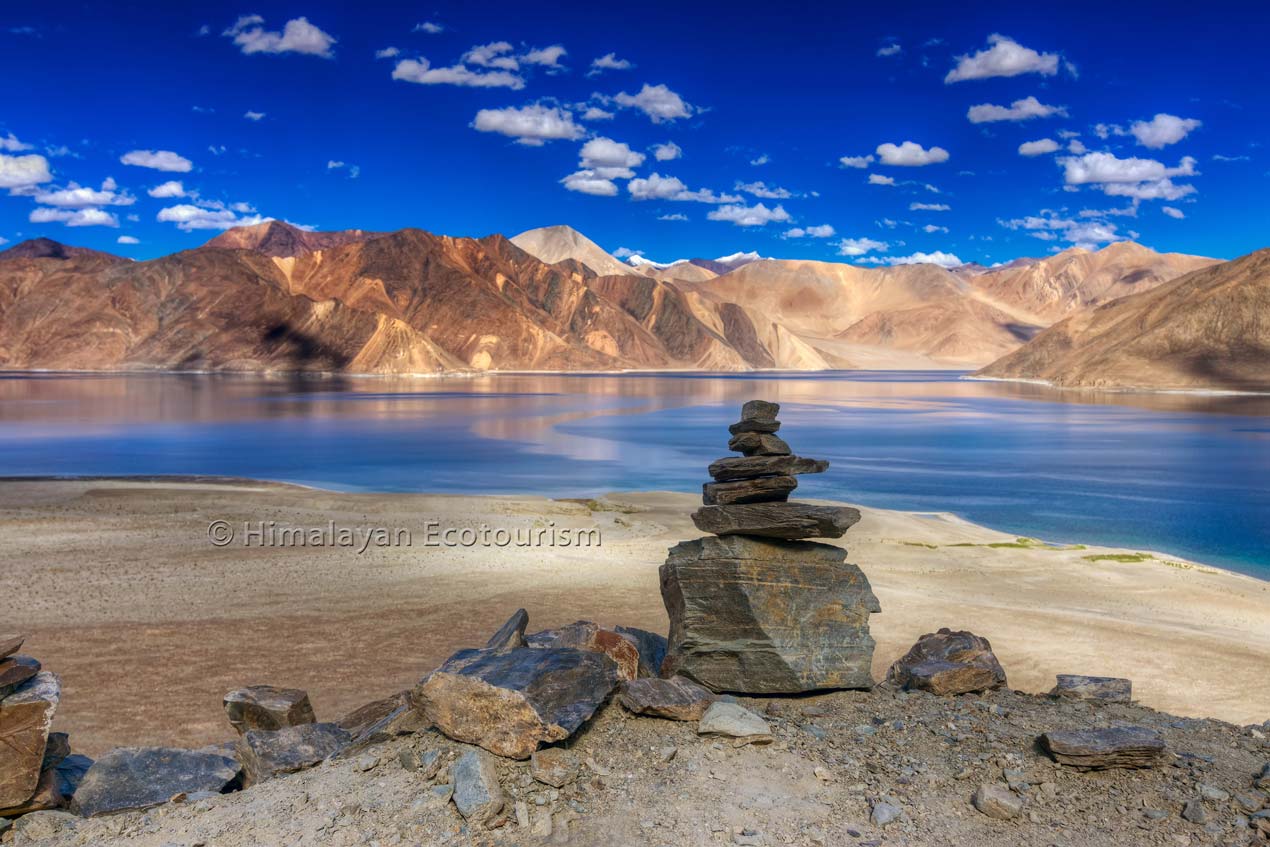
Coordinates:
x,y
554,766
677,698
14,671
651,646
10,642
25,718
267,707
777,520
380,721
510,702
947,662
1098,749
586,635
748,467
766,489
753,616
52,789
758,444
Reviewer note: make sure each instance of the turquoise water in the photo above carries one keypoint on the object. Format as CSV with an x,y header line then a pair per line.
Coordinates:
x,y
1185,475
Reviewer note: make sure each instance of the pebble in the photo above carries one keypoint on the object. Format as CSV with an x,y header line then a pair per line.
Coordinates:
x,y
1195,812
997,801
884,814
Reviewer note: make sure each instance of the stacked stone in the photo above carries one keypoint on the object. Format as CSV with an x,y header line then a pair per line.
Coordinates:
x,y
753,609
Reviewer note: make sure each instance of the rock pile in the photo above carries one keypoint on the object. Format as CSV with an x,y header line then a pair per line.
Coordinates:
x,y
754,609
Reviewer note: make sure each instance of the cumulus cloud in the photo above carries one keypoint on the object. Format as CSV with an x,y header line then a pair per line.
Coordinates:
x,y
532,125
675,216
609,62
879,179
667,152
822,231
928,207
171,188
1162,130
75,196
297,36
1019,110
856,161
609,159
761,159
1003,57
546,57
741,215
1107,168
388,53
762,189
496,54
860,246
1159,189
892,49
421,71
159,160
430,27
74,217
932,228
658,187
657,101
11,144
18,173
1173,212
254,116
910,154
939,257
589,181
127,239
595,113
1038,148
1050,225
1076,147
189,217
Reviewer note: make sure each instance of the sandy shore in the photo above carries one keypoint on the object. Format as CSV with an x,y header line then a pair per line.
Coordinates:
x,y
149,623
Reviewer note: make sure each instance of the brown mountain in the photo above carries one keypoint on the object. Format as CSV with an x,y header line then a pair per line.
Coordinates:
x,y
47,248
1209,329
553,244
275,238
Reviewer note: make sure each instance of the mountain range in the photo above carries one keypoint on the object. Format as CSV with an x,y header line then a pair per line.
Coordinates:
x,y
276,297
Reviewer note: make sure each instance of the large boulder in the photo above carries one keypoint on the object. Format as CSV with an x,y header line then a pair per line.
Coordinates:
x,y
509,702
777,520
1099,749
267,707
25,717
753,616
585,635
141,777
947,662
266,754
677,698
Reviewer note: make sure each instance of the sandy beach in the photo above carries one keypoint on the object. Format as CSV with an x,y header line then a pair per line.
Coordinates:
x,y
149,623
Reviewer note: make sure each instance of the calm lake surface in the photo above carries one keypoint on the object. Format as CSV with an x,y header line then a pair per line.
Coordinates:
x,y
1182,474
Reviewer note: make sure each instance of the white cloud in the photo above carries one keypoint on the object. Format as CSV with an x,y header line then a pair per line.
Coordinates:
x,y
609,62
159,160
595,113
1173,212
1222,157
1106,168
675,216
667,152
388,53
1050,226
932,228
334,164
1038,148
127,239
429,27
856,161
928,207
75,196
421,71
761,159
879,179
1159,189
297,36
658,187
756,215
822,231
910,154
11,144
656,101
23,172
608,159
171,188
588,181
893,49
626,252
546,57
532,125
1019,110
859,246
496,54
73,217
939,257
354,171
762,189
1003,57
254,116
189,217
1076,147
1162,130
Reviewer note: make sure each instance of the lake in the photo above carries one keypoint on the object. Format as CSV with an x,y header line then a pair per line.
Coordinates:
x,y
1187,475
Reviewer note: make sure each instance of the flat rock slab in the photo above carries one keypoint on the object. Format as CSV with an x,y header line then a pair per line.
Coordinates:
x,y
554,766
25,717
677,698
765,489
141,777
1098,749
266,754
748,467
1101,689
10,643
381,720
586,635
14,671
477,794
734,721
510,702
777,520
948,662
267,707
759,444
764,617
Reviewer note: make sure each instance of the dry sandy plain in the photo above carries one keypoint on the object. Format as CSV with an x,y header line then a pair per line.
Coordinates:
x,y
149,624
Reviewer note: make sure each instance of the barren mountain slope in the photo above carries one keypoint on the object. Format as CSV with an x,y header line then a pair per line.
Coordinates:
x,y
552,244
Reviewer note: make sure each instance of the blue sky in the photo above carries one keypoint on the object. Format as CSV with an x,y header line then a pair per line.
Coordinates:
x,y
879,134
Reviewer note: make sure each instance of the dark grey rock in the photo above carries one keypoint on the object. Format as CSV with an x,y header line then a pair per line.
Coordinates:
x,y
1193,810
267,707
14,671
765,489
511,634
677,698
1101,689
477,794
1097,749
266,754
758,444
748,467
777,520
763,617
948,662
141,777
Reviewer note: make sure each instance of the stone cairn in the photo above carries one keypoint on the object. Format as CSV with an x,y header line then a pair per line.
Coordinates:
x,y
753,608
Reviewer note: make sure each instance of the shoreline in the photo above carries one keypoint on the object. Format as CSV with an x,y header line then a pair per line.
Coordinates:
x,y
1193,392
149,624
